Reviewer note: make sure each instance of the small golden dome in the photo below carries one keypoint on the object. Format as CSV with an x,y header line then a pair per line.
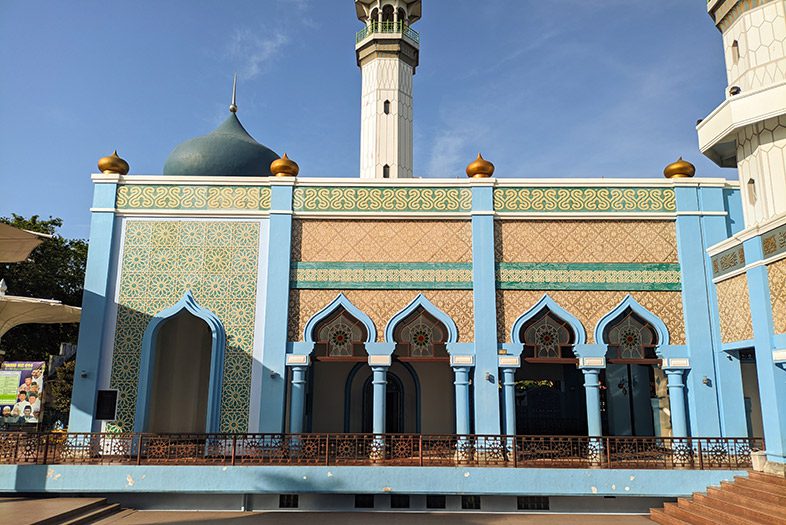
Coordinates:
x,y
680,169
284,167
480,168
113,164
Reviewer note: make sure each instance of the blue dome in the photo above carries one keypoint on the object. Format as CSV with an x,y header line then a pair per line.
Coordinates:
x,y
227,151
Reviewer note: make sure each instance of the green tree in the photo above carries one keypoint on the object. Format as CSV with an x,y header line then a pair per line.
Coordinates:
x,y
57,392
54,270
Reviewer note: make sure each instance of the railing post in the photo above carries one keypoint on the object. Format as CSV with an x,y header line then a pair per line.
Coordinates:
x,y
139,451
327,450
234,448
420,448
513,451
46,448
701,454
607,445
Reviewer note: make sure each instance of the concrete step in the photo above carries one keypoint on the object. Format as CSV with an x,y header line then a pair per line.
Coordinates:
x,y
768,478
759,485
114,518
746,499
94,515
660,516
714,514
57,516
777,498
757,514
687,515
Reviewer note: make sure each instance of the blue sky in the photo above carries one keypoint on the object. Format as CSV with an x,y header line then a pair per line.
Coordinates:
x,y
563,88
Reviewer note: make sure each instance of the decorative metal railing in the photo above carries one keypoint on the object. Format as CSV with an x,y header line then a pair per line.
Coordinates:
x,y
387,27
377,450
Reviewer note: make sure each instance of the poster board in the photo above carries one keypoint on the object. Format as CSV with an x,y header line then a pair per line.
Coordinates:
x,y
22,392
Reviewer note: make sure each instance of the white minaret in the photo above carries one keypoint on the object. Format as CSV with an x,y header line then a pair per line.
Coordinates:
x,y
387,51
748,129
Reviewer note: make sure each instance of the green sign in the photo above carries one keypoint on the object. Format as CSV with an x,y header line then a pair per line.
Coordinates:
x,y
9,386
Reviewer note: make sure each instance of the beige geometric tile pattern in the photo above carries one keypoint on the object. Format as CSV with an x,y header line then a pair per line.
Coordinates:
x,y
734,309
585,241
777,277
162,260
381,241
589,306
381,306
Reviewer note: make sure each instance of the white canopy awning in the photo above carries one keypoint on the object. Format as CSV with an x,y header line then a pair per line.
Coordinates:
x,y
16,244
15,310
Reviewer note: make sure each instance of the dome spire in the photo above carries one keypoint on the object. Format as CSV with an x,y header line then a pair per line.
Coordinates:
x,y
233,105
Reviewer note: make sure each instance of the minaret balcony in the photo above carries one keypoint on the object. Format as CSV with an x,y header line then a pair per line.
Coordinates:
x,y
397,28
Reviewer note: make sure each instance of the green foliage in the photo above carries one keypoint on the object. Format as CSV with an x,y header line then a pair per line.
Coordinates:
x,y
55,270
57,390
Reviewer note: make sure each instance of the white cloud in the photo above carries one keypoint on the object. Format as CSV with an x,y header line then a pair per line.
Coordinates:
x,y
252,53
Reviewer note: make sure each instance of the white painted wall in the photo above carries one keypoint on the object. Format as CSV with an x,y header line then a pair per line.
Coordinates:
x,y
386,139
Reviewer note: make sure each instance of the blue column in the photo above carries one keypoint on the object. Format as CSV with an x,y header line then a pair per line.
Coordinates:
x,y
380,382
94,308
676,385
486,393
462,399
772,378
694,235
273,394
509,386
297,405
592,391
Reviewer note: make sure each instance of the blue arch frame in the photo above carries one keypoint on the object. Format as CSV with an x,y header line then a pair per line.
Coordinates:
x,y
546,302
338,302
438,314
630,302
218,347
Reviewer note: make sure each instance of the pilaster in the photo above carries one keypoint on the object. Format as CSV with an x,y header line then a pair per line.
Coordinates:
x,y
486,391
702,338
94,307
772,378
274,344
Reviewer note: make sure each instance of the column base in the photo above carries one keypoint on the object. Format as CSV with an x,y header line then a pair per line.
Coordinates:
x,y
772,464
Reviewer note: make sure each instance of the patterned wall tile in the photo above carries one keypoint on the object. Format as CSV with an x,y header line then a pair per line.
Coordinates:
x,y
381,241
388,199
381,306
777,275
728,260
171,197
734,308
217,261
589,307
585,241
584,200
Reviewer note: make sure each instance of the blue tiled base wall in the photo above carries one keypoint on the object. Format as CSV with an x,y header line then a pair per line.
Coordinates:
x,y
357,480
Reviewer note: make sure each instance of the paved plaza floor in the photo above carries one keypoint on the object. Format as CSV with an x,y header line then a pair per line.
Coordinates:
x,y
358,518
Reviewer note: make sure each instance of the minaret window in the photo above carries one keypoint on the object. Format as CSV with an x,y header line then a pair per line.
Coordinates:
x,y
752,190
735,52
402,15
374,15
385,171
387,13
387,107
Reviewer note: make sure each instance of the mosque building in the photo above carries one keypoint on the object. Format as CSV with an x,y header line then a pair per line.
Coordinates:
x,y
235,296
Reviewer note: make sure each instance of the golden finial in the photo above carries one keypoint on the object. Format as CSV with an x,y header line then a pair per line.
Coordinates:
x,y
113,164
679,170
480,168
284,167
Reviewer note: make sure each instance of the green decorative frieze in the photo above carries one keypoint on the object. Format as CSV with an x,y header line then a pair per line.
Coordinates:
x,y
584,200
589,276
198,198
371,276
728,260
383,199
510,276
